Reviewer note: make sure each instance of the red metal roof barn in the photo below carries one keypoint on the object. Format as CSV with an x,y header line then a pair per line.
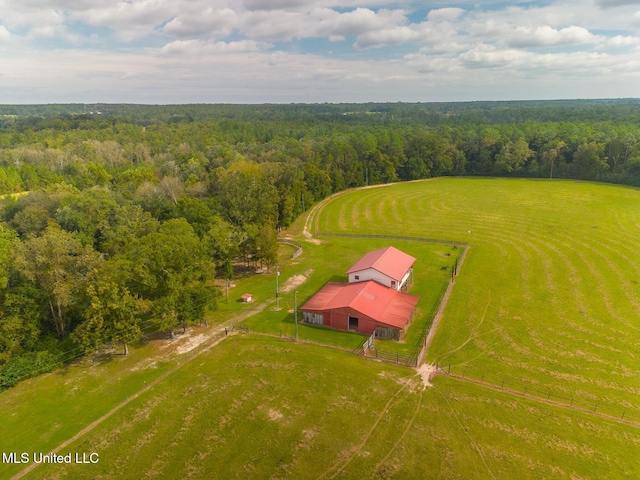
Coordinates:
x,y
388,266
362,307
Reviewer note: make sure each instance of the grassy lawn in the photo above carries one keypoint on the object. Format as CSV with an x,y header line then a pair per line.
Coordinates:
x,y
256,407
42,412
549,295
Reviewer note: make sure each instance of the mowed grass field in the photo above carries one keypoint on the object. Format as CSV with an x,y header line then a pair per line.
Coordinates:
x,y
257,407
544,267
549,295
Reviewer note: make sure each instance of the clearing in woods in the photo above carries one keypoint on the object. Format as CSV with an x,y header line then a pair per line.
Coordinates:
x,y
548,304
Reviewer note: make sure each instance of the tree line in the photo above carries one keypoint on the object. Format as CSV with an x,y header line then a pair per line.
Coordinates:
x,y
116,219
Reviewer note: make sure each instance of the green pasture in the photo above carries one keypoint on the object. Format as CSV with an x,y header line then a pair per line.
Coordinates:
x,y
42,412
545,312
258,407
548,298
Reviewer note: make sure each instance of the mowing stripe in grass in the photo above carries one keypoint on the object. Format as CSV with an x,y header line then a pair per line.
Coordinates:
x,y
558,257
214,339
590,411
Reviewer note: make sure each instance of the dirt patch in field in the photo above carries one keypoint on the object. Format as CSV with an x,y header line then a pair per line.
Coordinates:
x,y
190,343
275,415
309,238
426,371
295,281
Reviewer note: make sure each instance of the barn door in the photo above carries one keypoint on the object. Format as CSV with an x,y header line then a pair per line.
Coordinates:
x,y
353,323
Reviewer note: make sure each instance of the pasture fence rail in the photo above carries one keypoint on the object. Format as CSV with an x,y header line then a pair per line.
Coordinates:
x,y
294,244
418,353
439,241
526,388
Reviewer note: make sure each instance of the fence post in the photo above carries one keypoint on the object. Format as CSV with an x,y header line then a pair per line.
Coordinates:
x,y
502,387
449,371
397,357
594,408
622,417
572,401
525,390
549,396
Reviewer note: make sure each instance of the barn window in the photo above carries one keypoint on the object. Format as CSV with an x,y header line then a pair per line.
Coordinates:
x,y
357,277
313,318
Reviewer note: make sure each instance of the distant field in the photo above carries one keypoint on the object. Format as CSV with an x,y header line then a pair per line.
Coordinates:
x,y
549,295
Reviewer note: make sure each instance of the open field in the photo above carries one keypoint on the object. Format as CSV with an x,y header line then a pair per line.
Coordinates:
x,y
547,300
256,407
549,295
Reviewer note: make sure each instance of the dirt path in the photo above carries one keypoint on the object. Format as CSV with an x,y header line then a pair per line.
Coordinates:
x,y
214,337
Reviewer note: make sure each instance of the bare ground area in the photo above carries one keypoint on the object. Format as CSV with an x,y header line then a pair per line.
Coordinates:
x,y
426,371
295,281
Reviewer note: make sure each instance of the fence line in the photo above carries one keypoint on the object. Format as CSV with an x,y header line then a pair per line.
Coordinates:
x,y
412,359
527,389
293,244
453,243
430,324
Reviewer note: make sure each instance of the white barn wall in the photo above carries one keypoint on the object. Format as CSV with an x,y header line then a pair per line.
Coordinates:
x,y
371,274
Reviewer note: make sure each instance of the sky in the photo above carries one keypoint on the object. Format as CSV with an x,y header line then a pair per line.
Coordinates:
x,y
314,51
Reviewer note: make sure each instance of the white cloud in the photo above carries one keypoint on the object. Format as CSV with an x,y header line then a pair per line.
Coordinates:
x,y
197,48
545,36
363,20
216,47
130,19
208,22
281,25
620,41
617,3
5,35
273,4
394,36
444,14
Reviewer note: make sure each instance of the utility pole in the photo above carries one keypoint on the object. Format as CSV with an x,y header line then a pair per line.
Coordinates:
x,y
295,311
277,292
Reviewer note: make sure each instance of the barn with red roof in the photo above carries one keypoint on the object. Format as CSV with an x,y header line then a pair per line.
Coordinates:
x,y
372,300
388,266
362,307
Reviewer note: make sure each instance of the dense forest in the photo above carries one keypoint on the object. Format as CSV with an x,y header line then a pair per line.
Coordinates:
x,y
115,219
